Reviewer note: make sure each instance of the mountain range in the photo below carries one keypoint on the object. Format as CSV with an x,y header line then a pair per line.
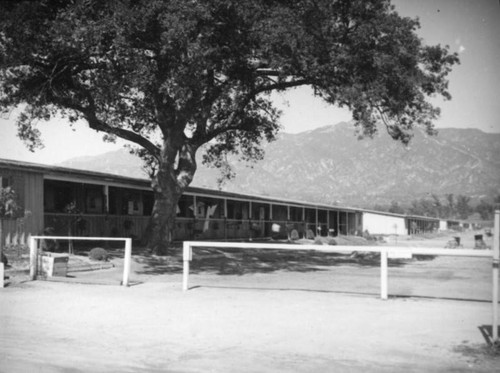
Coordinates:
x,y
332,165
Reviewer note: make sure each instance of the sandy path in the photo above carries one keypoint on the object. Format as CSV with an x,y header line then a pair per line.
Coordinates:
x,y
49,327
327,320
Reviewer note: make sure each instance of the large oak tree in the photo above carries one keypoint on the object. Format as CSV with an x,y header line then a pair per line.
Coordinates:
x,y
176,76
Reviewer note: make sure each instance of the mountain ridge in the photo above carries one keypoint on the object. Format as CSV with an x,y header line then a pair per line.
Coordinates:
x,y
330,164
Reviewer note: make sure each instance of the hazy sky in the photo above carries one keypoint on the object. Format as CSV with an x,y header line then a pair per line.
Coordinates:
x,y
469,27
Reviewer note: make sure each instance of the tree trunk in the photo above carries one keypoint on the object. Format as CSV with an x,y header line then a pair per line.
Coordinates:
x,y
176,170
167,192
162,222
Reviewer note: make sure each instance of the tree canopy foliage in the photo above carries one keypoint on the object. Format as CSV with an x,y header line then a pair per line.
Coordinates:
x,y
449,206
171,76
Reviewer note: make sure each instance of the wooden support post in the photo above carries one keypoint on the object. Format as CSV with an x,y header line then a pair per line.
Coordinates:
x,y
383,275
316,223
106,198
496,263
33,259
225,218
127,262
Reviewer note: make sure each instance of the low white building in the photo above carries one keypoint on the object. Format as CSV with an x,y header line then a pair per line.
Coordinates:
x,y
384,223
443,225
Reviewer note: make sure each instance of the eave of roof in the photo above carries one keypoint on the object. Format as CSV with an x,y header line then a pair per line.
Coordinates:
x,y
55,171
406,216
49,170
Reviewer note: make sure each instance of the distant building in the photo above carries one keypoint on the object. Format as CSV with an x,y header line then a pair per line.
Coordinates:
x,y
376,222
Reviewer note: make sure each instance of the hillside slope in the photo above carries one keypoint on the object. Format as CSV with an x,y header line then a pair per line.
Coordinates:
x,y
330,164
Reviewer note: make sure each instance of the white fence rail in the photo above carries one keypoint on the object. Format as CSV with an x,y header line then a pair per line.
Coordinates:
x,y
34,252
384,251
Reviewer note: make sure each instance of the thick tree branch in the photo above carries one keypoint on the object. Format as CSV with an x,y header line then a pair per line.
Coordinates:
x,y
89,114
131,136
278,86
212,133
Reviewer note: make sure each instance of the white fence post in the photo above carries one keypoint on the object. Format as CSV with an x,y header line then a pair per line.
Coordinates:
x,y
126,262
383,274
496,263
2,274
33,259
186,257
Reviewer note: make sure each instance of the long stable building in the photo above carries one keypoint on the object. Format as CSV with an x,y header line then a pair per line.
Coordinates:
x,y
68,201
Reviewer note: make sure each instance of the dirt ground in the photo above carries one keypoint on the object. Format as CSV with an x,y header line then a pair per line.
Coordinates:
x,y
278,312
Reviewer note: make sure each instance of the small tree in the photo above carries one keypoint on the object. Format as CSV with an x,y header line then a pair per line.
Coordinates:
x,y
462,206
395,208
484,209
438,206
450,207
74,218
8,210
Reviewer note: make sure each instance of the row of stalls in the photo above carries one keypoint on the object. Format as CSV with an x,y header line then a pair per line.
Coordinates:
x,y
63,201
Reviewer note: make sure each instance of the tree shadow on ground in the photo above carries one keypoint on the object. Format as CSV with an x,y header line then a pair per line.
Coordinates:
x,y
253,261
158,265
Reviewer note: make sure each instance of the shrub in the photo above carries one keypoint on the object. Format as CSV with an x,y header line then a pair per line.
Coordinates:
x,y
294,235
368,236
318,241
310,234
98,253
331,241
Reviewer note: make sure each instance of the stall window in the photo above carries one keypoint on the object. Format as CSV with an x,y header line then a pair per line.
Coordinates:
x,y
185,207
5,182
237,210
209,208
260,211
133,203
311,215
58,195
94,201
126,202
295,213
280,212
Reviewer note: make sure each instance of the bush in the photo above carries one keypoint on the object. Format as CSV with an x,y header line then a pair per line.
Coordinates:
x,y
294,235
98,253
318,241
310,234
368,236
331,242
